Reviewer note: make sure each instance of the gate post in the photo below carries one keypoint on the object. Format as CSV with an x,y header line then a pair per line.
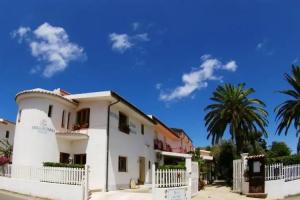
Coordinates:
x,y
245,185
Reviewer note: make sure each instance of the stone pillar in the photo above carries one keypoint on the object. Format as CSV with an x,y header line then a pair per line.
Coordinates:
x,y
245,185
188,166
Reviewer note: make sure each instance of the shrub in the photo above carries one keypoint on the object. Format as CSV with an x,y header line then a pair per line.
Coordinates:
x,y
3,160
53,164
172,167
286,160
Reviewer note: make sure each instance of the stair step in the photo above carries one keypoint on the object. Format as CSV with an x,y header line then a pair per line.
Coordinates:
x,y
257,195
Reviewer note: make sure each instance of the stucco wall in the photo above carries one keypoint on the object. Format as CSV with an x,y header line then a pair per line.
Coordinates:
x,y
279,189
41,189
35,139
133,146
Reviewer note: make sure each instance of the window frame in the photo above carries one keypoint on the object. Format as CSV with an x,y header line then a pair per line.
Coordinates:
x,y
124,124
120,167
20,116
7,134
83,117
68,120
63,119
50,110
142,129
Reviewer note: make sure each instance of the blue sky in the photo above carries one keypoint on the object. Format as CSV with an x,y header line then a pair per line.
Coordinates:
x,y
166,57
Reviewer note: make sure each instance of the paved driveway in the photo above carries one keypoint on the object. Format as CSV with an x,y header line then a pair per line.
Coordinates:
x,y
122,195
12,196
219,193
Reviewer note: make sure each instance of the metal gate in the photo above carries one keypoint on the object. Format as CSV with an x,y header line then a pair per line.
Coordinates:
x,y
237,175
195,178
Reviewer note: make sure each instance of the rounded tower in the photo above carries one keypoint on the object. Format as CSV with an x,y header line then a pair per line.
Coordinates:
x,y
41,115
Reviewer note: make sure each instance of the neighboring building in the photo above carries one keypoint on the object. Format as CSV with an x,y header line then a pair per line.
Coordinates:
x,y
7,130
186,143
100,129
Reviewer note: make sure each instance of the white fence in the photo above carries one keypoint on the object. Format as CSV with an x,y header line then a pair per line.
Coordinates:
x,y
60,175
282,181
170,178
278,171
237,175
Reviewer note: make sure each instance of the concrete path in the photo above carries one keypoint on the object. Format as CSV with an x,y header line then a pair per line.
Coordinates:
x,y
219,193
121,195
4,195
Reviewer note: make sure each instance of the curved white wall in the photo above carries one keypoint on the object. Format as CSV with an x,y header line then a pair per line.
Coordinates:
x,y
35,140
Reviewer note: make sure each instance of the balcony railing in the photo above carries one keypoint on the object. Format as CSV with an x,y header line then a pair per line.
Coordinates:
x,y
160,145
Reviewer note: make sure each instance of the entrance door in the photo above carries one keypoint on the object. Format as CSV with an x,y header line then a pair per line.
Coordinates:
x,y
142,170
256,175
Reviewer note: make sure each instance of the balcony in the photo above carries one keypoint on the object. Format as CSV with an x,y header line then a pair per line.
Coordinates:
x,y
160,145
78,132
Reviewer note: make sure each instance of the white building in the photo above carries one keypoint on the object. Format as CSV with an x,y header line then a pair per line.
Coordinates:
x,y
99,129
7,130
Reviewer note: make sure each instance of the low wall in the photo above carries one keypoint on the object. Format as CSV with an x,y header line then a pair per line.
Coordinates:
x,y
42,189
180,193
280,189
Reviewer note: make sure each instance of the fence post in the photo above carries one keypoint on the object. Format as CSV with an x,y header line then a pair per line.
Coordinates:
x,y
86,182
153,177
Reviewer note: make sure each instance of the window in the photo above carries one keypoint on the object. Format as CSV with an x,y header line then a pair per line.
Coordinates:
x,y
123,123
20,115
80,159
83,118
7,134
64,158
68,121
149,164
142,129
63,119
122,164
50,111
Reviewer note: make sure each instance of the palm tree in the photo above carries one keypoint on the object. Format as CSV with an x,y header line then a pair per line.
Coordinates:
x,y
235,110
288,112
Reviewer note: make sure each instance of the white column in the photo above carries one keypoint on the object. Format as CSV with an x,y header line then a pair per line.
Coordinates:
x,y
188,166
245,185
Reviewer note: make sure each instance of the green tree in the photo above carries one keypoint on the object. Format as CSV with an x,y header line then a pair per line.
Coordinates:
x,y
224,153
235,110
279,149
288,112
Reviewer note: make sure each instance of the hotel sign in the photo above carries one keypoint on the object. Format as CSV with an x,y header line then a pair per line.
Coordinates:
x,y
43,128
176,194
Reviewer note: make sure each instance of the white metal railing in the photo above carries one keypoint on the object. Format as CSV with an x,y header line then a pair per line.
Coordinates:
x,y
60,175
170,178
278,171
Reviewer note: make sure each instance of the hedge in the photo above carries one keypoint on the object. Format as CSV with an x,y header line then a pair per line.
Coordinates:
x,y
53,164
171,167
286,160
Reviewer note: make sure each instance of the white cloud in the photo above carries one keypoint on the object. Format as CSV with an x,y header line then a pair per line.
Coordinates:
x,y
20,33
50,45
264,47
259,45
198,78
122,42
135,26
142,37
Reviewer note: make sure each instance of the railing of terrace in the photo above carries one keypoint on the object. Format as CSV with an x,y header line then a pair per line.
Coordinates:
x,y
60,175
170,178
279,171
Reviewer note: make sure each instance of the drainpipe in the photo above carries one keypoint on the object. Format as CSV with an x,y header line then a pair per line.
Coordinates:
x,y
107,141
